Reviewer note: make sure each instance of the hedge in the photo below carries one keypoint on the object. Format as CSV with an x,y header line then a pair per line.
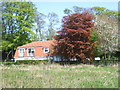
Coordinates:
x,y
18,62
31,61
8,63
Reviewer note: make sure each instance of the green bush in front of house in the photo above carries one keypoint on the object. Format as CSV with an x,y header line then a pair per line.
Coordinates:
x,y
8,63
31,62
19,62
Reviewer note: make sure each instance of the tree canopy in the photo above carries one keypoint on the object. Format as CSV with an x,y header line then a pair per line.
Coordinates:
x,y
93,10
107,31
73,40
17,23
106,28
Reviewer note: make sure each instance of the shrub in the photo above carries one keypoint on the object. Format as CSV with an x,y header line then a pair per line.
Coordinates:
x,y
8,63
31,62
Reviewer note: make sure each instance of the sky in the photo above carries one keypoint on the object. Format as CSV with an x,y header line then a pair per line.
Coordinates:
x,y
58,7
46,6
75,0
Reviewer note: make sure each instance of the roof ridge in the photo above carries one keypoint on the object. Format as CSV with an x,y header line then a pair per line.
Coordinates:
x,y
38,43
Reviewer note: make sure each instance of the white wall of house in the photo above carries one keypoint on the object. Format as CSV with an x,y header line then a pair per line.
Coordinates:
x,y
31,58
57,58
30,55
54,58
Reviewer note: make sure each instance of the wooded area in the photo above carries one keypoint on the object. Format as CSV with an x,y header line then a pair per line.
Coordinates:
x,y
92,31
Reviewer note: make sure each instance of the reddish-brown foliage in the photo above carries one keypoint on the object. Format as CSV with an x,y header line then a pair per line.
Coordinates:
x,y
73,40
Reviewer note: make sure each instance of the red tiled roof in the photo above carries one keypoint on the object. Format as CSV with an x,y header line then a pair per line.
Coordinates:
x,y
39,43
39,51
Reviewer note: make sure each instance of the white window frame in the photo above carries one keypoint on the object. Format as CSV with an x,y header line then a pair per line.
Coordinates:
x,y
19,52
45,49
30,54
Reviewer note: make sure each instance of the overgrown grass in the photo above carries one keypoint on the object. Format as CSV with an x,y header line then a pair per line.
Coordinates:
x,y
56,76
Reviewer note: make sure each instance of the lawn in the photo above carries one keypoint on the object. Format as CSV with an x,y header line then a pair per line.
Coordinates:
x,y
56,76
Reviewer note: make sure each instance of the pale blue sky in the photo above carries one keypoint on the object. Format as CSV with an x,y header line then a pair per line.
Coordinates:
x,y
58,7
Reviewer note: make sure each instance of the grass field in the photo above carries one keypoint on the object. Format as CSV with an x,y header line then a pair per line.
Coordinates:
x,y
56,76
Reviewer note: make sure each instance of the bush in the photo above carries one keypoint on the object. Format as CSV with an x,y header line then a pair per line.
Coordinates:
x,y
103,62
31,62
25,62
8,63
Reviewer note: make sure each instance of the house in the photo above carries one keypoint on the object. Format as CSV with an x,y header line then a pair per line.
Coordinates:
x,y
39,50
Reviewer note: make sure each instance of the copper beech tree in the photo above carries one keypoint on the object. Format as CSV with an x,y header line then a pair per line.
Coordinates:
x,y
73,40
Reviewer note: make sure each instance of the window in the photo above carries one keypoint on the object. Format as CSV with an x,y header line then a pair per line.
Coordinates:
x,y
30,51
46,49
21,52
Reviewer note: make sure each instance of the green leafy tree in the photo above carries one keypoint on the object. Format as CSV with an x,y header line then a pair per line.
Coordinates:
x,y
104,11
98,10
94,10
67,11
17,23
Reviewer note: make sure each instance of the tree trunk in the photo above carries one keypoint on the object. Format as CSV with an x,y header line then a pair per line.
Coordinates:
x,y
105,59
40,35
109,57
7,58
